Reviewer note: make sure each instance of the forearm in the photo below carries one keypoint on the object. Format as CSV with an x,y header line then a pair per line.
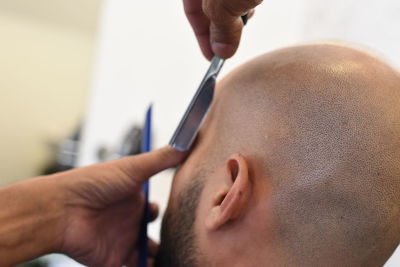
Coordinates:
x,y
30,220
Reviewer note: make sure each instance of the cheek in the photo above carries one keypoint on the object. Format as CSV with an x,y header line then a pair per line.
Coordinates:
x,y
183,175
202,240
178,182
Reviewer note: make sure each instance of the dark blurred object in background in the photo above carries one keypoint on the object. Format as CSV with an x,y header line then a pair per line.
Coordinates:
x,y
65,153
129,145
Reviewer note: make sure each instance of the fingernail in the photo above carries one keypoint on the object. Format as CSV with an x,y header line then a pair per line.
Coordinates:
x,y
222,49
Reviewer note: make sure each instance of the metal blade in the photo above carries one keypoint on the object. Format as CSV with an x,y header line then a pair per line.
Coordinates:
x,y
190,124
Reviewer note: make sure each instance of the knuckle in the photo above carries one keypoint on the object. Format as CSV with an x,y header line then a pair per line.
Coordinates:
x,y
249,4
210,9
222,12
240,7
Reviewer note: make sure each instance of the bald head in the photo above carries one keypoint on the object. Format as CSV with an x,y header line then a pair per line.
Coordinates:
x,y
325,120
297,164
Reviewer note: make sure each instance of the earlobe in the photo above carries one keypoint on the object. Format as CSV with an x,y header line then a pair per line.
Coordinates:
x,y
230,202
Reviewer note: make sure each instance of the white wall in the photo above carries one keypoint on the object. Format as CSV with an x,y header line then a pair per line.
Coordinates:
x,y
147,53
375,24
45,66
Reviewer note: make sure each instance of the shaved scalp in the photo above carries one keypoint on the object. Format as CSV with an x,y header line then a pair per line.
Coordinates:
x,y
325,120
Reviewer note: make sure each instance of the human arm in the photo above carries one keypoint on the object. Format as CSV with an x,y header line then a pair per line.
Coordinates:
x,y
30,220
217,24
91,214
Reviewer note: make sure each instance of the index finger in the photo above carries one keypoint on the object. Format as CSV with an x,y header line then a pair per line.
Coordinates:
x,y
142,167
200,25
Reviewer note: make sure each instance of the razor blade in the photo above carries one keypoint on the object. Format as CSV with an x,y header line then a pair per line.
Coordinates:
x,y
195,114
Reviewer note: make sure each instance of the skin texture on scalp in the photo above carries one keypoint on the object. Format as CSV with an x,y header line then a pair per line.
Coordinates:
x,y
325,120
318,129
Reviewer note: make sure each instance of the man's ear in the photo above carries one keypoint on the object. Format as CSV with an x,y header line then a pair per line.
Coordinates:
x,y
231,201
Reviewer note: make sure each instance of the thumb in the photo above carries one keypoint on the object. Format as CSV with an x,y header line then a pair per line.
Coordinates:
x,y
225,37
226,24
142,167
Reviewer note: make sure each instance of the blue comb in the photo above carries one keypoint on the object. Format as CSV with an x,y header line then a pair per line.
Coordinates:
x,y
146,147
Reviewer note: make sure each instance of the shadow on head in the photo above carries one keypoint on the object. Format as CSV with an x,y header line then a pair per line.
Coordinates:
x,y
297,164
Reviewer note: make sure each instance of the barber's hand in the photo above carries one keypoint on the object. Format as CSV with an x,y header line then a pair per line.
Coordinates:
x,y
217,24
104,207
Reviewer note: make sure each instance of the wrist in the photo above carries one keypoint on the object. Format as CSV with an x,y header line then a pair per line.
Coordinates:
x,y
48,198
31,220
47,195
55,213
